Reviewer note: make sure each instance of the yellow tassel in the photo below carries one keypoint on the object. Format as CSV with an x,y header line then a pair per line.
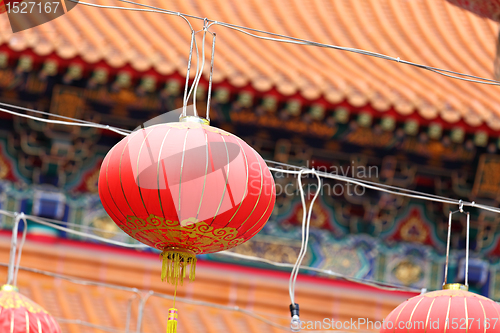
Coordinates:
x,y
174,265
172,321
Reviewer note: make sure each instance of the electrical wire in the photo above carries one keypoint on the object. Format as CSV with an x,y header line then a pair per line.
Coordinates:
x,y
299,41
46,113
360,180
137,293
13,263
41,221
296,169
388,188
141,294
370,283
397,191
371,185
60,122
76,225
46,222
87,324
306,221
21,245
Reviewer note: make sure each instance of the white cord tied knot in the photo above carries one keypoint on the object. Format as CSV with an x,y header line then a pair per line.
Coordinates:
x,y
461,206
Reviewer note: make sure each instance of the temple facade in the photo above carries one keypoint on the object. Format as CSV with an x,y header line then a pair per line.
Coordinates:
x,y
335,111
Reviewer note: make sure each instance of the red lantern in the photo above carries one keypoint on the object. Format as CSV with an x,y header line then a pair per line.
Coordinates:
x,y
19,314
451,310
484,8
186,188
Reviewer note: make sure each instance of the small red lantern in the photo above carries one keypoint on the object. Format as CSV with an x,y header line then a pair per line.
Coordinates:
x,y
452,310
19,314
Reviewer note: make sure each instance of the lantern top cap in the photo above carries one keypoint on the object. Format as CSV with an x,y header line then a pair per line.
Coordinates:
x,y
455,286
8,287
194,119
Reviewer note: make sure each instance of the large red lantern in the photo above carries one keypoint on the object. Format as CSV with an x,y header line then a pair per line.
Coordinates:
x,y
19,314
451,310
185,189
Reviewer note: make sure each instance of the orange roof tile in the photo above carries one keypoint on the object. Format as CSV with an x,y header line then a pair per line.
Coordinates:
x,y
429,32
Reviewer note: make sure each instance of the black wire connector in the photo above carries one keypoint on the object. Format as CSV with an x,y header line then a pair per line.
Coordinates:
x,y
295,323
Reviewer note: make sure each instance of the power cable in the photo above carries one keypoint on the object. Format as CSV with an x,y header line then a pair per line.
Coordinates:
x,y
299,41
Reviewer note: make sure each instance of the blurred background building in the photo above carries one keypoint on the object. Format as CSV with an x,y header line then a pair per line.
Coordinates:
x,y
300,105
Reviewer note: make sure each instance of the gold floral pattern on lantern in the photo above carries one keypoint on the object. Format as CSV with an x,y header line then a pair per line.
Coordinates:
x,y
14,300
216,130
453,293
186,125
189,234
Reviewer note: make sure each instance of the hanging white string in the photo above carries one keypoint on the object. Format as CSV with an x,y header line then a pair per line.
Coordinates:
x,y
209,95
186,96
306,221
13,263
200,72
192,89
467,245
299,41
21,245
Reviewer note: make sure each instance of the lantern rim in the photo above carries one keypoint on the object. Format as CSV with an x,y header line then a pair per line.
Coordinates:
x,y
8,287
194,119
178,249
455,286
